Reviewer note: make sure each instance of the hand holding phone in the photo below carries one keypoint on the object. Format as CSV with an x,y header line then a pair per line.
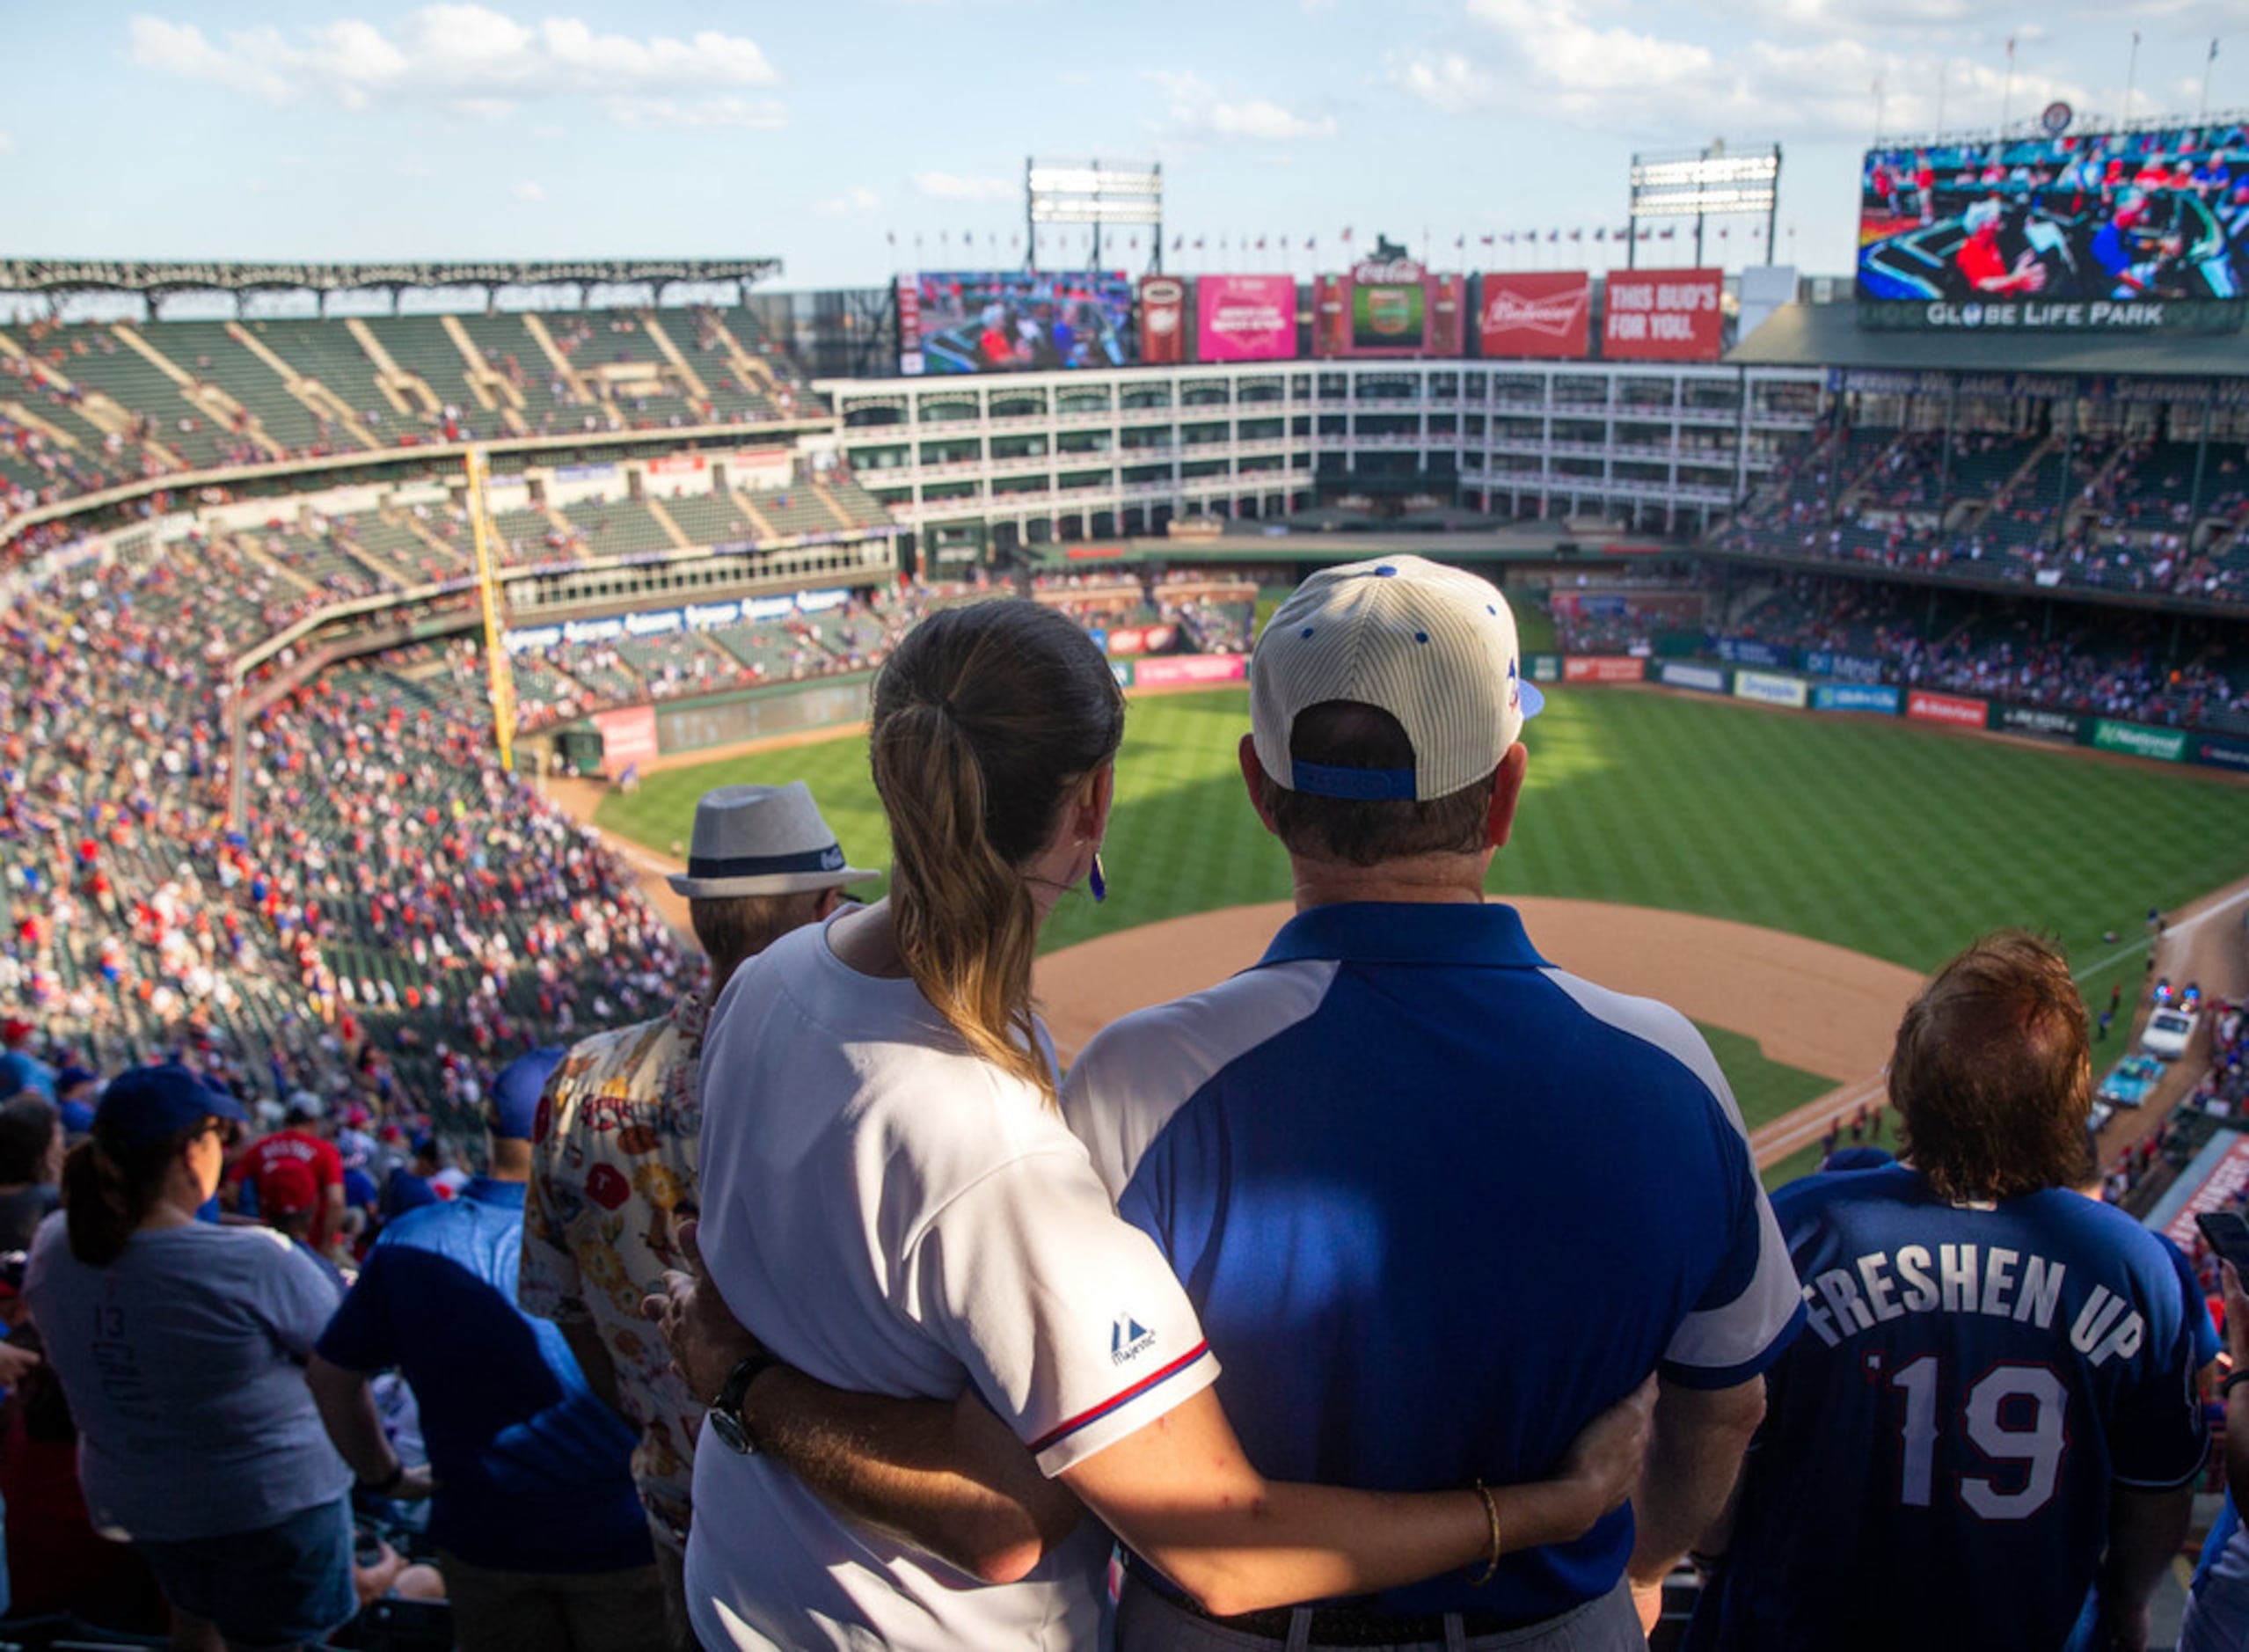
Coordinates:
x,y
2228,1234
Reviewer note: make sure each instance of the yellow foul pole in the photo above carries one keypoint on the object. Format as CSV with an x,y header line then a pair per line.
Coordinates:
x,y
502,679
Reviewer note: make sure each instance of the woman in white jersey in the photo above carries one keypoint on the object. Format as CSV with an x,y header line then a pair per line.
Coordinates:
x,y
892,1204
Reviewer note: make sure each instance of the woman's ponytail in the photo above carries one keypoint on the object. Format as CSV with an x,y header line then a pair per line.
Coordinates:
x,y
108,1190
985,719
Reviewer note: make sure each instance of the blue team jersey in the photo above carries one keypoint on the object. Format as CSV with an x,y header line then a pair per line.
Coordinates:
x,y
1940,1444
534,1473
1437,1203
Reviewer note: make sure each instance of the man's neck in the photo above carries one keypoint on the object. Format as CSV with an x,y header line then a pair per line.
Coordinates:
x,y
1420,879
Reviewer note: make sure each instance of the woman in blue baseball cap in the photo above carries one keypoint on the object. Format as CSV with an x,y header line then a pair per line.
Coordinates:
x,y
179,1345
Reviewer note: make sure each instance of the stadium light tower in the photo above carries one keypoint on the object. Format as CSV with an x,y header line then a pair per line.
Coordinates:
x,y
1704,183
1091,192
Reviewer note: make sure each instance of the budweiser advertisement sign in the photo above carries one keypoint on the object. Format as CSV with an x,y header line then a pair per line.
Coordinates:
x,y
1163,320
1663,315
1542,313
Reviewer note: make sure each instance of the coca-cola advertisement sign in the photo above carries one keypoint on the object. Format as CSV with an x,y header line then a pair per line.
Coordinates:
x,y
1244,317
1163,320
1543,314
1663,315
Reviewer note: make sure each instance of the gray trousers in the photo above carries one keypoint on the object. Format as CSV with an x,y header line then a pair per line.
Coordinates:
x,y
1148,1622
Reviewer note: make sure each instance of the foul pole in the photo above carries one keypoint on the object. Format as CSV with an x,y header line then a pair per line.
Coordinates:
x,y
502,680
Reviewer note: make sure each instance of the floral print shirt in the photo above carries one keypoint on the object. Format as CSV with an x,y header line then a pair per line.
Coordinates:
x,y
612,1178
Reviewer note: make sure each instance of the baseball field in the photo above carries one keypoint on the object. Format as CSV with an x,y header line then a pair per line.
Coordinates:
x,y
1875,836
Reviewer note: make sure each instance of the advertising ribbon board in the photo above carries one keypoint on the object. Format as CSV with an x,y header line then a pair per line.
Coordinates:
x,y
2166,745
1603,668
1856,697
1544,667
2221,1190
1542,314
1663,315
1677,674
1958,710
1768,690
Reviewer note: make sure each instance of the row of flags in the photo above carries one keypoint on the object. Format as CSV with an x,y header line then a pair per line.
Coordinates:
x,y
1310,243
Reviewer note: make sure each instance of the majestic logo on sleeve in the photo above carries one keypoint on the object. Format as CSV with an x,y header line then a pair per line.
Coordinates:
x,y
1129,1339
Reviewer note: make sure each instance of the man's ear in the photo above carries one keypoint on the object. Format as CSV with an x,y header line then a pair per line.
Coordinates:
x,y
830,900
1507,792
1255,777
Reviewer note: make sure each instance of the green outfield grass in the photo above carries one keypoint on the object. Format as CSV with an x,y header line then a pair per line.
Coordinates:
x,y
1874,835
1883,838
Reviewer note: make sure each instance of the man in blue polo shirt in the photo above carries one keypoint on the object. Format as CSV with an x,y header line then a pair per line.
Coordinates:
x,y
538,1529
1436,1201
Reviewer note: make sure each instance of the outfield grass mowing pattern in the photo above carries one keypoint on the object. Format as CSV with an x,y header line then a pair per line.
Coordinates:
x,y
1901,842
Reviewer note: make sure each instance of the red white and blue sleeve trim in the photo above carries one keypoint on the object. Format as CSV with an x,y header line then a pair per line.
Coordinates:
x,y
1082,1434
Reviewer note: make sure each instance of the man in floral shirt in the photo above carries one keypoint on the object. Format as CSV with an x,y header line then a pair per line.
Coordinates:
x,y
613,1165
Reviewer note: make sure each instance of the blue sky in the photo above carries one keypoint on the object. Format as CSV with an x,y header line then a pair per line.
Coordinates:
x,y
587,127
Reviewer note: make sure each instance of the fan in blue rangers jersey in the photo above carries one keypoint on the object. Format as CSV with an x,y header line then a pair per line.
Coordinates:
x,y
1993,1407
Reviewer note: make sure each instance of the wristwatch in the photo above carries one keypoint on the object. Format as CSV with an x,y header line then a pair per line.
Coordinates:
x,y
724,1417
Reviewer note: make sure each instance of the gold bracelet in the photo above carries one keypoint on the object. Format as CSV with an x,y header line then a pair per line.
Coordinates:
x,y
1476,1580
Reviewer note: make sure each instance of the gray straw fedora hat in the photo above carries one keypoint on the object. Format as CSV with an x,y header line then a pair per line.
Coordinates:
x,y
761,840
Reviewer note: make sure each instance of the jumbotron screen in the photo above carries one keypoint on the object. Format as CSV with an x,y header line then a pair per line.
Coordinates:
x,y
2134,230
1014,321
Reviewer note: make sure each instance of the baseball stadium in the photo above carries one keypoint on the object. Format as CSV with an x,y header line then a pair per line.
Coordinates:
x,y
374,636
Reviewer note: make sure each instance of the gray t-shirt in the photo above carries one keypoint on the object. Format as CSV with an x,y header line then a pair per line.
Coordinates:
x,y
183,1364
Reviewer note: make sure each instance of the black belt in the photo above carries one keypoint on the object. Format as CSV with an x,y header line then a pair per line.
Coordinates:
x,y
1335,1626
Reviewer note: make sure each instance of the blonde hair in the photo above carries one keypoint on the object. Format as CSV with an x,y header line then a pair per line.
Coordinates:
x,y
985,720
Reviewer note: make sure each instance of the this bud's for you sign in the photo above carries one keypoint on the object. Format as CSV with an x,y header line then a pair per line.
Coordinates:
x,y
1663,315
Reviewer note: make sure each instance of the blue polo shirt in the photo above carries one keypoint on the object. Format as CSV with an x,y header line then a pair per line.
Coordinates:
x,y
1438,1203
534,1471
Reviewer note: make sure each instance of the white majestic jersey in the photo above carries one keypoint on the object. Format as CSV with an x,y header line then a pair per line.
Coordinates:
x,y
892,1215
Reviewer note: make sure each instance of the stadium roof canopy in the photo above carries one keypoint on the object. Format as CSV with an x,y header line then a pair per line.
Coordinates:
x,y
37,276
1828,335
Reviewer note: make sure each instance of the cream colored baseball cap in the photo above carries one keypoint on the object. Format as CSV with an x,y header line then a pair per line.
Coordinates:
x,y
1434,647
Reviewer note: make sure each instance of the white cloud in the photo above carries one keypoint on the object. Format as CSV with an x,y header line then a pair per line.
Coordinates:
x,y
7,143
474,60
850,201
953,187
1565,60
529,190
1194,110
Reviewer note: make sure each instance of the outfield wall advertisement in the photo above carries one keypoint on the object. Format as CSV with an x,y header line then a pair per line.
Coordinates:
x,y
1540,314
1244,317
1710,679
1597,668
1857,697
2221,754
2137,739
2038,722
1766,689
1958,710
1663,315
1190,670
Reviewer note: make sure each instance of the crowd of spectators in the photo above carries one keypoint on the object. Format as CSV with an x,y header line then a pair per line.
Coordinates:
x,y
1993,506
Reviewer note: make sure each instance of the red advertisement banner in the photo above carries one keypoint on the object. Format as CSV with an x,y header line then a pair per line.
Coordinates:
x,y
1946,708
1449,315
1663,315
1130,639
1244,318
1182,670
1601,667
1163,320
628,736
1547,314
